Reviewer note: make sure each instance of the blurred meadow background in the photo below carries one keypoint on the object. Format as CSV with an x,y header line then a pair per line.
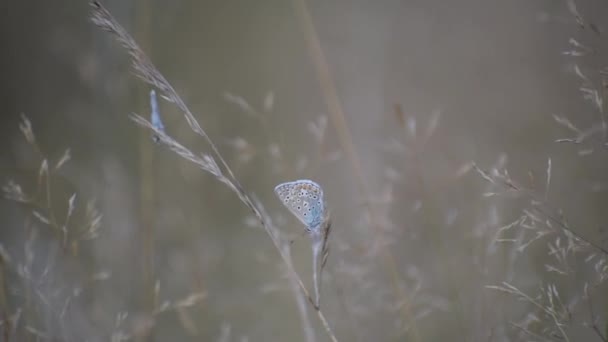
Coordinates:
x,y
461,148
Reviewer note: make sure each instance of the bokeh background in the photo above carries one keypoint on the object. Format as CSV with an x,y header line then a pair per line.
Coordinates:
x,y
157,250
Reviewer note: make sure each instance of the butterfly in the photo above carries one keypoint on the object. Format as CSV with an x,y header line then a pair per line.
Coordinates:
x,y
304,198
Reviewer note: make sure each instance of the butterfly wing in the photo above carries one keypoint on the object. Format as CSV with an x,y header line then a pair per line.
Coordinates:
x,y
304,198
155,116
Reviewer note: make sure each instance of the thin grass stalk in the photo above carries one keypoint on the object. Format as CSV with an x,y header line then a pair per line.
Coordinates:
x,y
338,119
144,69
147,186
309,333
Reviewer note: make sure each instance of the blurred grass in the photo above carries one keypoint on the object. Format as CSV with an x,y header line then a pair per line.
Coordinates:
x,y
170,233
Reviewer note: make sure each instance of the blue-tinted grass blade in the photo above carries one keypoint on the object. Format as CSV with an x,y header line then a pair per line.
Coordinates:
x,y
155,116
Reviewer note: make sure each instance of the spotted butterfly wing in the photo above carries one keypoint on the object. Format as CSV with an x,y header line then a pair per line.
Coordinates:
x,y
304,198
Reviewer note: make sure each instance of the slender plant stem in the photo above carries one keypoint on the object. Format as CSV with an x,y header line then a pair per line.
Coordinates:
x,y
147,186
148,72
339,121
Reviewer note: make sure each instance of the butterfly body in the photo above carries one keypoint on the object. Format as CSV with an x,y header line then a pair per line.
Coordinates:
x,y
304,198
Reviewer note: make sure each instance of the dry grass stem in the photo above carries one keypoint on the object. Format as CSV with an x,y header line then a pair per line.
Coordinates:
x,y
148,72
338,119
